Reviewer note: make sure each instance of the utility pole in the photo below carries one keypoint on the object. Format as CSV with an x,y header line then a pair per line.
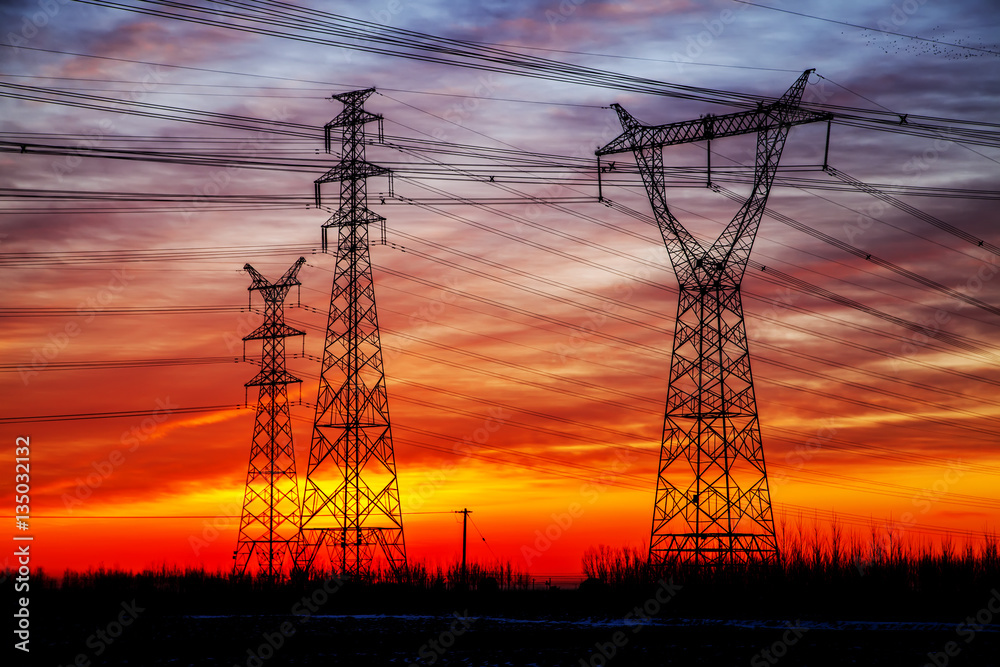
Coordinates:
x,y
269,524
351,513
465,533
712,503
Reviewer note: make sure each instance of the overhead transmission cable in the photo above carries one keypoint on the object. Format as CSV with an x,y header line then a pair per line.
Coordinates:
x,y
318,27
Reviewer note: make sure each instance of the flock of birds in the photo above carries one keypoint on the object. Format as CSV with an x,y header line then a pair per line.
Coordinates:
x,y
950,48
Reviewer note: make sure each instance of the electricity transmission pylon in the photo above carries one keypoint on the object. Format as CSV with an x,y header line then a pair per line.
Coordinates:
x,y
269,525
712,504
351,515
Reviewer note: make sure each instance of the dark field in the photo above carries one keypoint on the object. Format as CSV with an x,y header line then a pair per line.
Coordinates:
x,y
197,618
392,640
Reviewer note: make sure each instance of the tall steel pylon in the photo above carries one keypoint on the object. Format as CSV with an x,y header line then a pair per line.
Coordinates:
x,y
269,525
712,504
351,515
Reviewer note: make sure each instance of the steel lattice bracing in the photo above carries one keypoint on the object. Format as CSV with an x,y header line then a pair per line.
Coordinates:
x,y
712,503
269,525
351,516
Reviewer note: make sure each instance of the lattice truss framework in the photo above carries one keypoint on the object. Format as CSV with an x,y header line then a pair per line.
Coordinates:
x,y
269,524
351,518
712,503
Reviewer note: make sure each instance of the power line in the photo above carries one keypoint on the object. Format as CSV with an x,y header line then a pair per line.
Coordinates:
x,y
316,27
828,395
151,254
869,28
125,363
163,516
118,414
483,537
552,181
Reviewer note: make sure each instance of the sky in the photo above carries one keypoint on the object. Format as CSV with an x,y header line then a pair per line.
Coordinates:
x,y
538,332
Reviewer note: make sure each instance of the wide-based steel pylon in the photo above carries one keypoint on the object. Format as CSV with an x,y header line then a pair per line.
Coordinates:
x,y
712,505
269,525
351,517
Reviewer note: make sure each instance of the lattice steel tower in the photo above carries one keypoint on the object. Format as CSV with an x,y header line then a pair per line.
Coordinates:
x,y
351,516
269,525
712,504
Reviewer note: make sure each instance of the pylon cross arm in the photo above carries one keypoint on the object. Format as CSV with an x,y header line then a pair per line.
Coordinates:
x,y
636,136
265,378
357,169
708,127
273,330
351,116
724,260
353,98
288,280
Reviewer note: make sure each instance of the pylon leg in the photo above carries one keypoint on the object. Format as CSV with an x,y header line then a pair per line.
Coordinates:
x,y
712,499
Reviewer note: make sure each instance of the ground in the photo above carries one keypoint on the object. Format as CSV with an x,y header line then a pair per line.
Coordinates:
x,y
656,626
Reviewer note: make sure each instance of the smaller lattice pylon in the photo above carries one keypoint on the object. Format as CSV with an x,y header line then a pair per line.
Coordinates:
x,y
269,525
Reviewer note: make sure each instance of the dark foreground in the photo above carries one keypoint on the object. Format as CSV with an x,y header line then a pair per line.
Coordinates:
x,y
655,625
438,640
